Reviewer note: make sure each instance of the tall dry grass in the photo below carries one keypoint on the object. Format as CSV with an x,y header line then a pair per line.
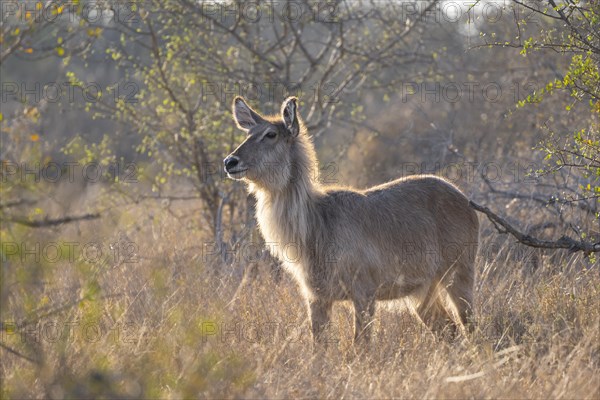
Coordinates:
x,y
174,324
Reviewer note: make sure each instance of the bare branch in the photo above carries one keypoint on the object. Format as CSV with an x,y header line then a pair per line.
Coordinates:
x,y
16,353
564,242
18,203
46,222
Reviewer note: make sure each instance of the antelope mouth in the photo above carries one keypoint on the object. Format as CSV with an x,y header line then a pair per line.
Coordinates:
x,y
237,173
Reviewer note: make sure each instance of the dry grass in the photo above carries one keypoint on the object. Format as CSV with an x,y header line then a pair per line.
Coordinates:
x,y
166,327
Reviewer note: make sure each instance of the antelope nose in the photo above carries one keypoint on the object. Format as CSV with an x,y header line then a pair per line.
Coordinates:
x,y
230,162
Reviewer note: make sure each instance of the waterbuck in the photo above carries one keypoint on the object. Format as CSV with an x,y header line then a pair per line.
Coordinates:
x,y
412,238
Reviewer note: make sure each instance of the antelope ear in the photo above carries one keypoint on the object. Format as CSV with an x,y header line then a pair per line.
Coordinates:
x,y
245,117
290,116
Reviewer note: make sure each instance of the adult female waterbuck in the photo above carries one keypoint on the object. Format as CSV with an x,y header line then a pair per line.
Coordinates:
x,y
413,238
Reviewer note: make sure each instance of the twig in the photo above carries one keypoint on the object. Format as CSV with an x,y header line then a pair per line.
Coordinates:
x,y
16,353
579,203
52,222
19,202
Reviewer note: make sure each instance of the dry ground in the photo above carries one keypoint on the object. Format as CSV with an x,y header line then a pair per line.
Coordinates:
x,y
166,326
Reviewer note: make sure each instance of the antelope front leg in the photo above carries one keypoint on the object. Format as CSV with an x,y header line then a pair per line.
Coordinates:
x,y
320,315
364,311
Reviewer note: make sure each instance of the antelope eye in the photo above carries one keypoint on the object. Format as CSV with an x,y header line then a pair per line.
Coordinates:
x,y
271,134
